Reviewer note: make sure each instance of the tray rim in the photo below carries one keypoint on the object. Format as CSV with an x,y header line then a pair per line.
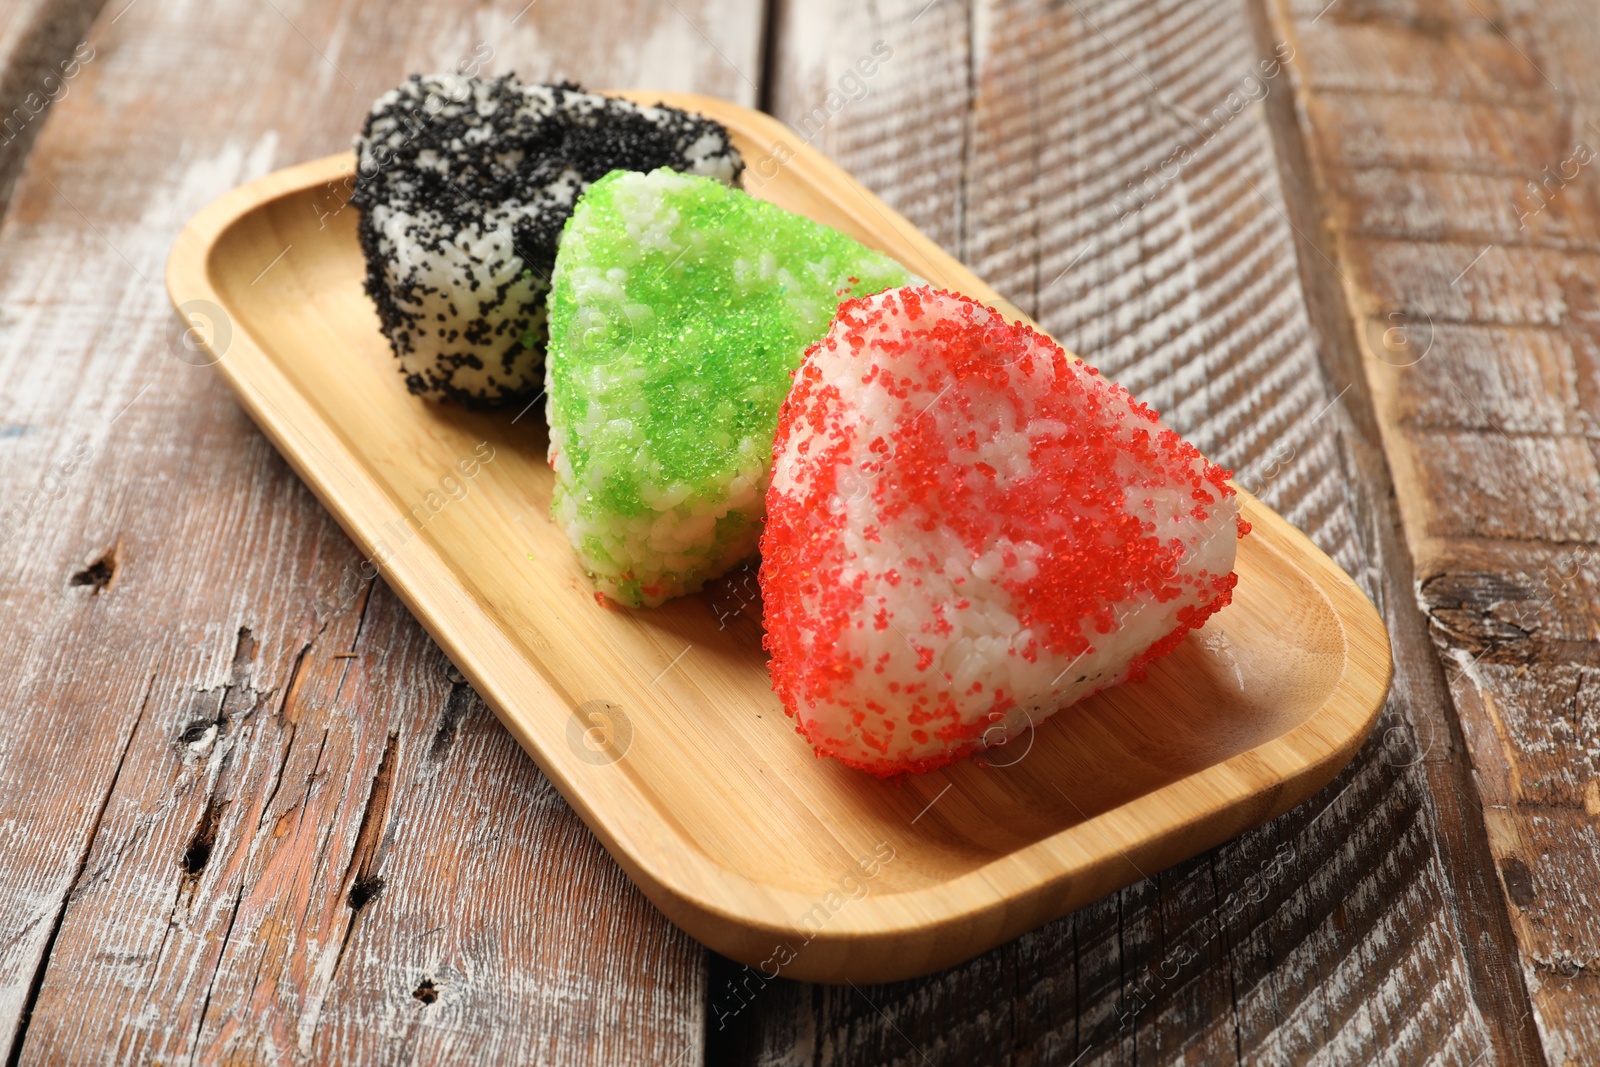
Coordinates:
x,y
881,936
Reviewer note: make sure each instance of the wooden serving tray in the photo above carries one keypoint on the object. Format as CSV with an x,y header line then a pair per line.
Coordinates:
x,y
660,727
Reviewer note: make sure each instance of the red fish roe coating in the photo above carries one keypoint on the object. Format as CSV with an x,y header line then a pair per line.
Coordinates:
x,y
969,529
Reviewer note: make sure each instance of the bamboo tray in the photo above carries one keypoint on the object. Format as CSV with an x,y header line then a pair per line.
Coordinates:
x,y
660,727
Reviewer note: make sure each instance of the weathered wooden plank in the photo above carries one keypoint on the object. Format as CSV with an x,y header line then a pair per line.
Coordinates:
x,y
1489,428
42,55
246,814
1360,927
1509,601
1436,205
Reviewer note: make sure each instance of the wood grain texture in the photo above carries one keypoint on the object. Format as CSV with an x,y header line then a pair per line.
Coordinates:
x,y
247,816
1369,940
43,52
1462,202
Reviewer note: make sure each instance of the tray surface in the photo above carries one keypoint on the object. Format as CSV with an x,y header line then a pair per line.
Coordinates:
x,y
660,727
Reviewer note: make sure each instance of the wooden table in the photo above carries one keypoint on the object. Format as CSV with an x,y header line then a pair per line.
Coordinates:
x,y
247,818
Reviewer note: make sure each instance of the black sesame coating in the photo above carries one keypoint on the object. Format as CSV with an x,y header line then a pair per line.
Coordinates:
x,y
450,161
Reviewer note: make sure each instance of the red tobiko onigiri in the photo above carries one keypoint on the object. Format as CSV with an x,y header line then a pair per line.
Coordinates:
x,y
969,529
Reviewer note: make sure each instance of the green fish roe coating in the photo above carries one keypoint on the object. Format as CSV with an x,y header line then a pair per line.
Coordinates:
x,y
679,310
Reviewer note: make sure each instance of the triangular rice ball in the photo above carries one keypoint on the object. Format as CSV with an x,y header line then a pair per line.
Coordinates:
x,y
968,530
680,308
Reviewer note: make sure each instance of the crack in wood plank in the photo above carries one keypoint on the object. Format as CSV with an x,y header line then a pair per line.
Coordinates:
x,y
20,1033
288,726
211,984
457,704
360,885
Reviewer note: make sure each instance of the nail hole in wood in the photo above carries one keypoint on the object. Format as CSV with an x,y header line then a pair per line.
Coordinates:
x,y
364,892
100,574
196,732
198,852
